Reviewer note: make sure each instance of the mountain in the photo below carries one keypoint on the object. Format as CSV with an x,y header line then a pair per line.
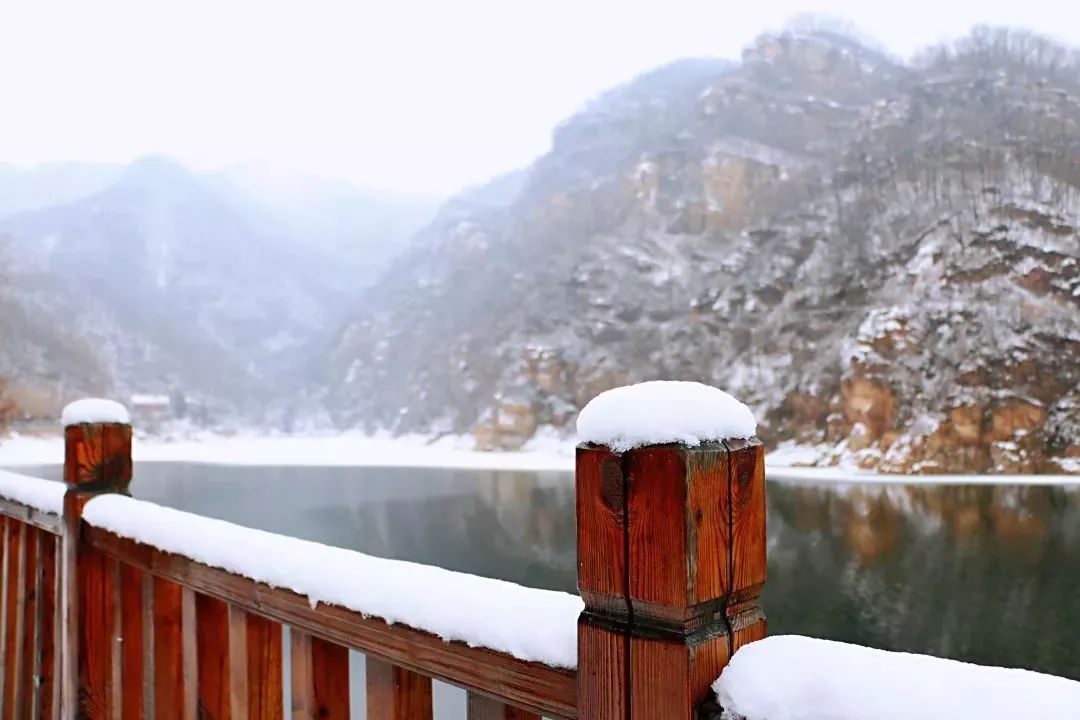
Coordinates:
x,y
880,257
357,229
166,280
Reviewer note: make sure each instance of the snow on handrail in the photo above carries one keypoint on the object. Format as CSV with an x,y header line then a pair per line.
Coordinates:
x,y
789,677
526,623
44,495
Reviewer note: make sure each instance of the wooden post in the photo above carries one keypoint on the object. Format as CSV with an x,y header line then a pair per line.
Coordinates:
x,y
671,561
97,460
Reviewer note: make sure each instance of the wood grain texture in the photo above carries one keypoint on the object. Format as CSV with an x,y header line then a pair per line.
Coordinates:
x,y
660,680
708,522
95,641
694,537
212,641
6,524
190,654
264,666
748,561
480,707
168,669
238,672
394,693
548,691
28,688
132,652
116,640
603,673
97,459
657,500
97,456
601,503
320,678
15,620
48,665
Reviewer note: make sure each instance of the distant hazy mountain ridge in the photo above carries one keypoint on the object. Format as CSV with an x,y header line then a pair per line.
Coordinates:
x,y
878,255
221,287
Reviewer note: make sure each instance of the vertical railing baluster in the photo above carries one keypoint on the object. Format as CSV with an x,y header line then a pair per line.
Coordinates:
x,y
132,637
168,673
320,678
264,666
394,693
481,707
212,640
12,702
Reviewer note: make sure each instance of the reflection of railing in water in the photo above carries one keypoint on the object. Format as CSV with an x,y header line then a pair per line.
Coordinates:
x,y
671,560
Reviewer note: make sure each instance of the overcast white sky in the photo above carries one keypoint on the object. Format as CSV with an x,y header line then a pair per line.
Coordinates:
x,y
394,94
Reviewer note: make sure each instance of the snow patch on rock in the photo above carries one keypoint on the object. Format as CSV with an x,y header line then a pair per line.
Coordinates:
x,y
663,411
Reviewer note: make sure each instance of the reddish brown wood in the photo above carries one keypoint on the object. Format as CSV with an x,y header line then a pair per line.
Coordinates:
x,y
747,520
481,707
28,687
320,678
5,524
168,618
15,590
693,538
212,639
96,634
394,693
97,457
48,666
264,665
132,650
190,655
601,511
238,672
548,691
97,460
602,681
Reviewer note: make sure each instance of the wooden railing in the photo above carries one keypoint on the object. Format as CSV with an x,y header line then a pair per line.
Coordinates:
x,y
671,558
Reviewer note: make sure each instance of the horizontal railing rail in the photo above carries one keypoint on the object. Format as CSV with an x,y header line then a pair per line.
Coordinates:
x,y
531,686
117,608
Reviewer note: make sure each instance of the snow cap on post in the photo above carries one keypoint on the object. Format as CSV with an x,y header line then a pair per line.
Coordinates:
x,y
94,411
663,411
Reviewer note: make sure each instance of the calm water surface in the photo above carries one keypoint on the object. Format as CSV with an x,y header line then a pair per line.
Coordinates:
x,y
989,574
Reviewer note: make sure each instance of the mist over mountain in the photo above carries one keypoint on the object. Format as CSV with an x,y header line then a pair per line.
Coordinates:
x,y
877,255
51,184
163,280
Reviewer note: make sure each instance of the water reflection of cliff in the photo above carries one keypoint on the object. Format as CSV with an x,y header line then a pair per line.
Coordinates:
x,y
983,573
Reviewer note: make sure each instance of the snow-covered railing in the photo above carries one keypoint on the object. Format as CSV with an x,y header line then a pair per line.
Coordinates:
x,y
30,624
168,614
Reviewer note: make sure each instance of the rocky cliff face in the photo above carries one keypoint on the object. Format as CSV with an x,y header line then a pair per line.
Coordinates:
x,y
875,255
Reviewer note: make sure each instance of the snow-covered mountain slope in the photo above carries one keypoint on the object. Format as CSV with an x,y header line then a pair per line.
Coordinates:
x,y
167,281
878,255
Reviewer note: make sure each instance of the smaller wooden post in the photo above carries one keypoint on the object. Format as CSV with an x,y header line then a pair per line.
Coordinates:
x,y
671,561
97,459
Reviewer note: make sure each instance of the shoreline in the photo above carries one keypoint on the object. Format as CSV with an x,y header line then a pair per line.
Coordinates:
x,y
545,453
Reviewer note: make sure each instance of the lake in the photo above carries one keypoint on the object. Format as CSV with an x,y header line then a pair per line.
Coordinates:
x,y
988,574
